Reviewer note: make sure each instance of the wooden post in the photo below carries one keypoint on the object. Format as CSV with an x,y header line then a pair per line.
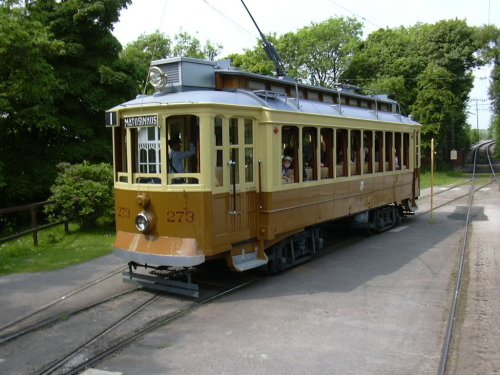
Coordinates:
x,y
34,226
432,221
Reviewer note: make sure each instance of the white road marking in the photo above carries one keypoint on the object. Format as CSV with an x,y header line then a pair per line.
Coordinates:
x,y
399,229
94,371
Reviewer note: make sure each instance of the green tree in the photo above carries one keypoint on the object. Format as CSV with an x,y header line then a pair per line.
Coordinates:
x,y
317,54
139,54
59,71
428,69
28,113
82,193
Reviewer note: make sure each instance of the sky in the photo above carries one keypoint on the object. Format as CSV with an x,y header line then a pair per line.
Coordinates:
x,y
226,22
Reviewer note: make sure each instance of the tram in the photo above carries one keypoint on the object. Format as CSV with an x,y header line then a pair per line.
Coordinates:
x,y
220,163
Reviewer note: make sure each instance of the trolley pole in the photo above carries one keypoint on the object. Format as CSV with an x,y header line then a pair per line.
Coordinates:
x,y
432,221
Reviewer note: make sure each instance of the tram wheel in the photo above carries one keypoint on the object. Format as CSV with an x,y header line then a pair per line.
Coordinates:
x,y
275,264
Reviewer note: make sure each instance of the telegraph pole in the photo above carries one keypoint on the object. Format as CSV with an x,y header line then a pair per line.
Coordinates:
x,y
477,113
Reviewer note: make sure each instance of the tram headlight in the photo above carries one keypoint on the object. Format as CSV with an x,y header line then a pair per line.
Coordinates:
x,y
144,222
157,77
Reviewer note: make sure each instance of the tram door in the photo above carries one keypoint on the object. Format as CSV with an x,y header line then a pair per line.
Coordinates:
x,y
235,195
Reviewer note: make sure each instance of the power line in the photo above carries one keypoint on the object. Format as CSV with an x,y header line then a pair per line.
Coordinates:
x,y
356,15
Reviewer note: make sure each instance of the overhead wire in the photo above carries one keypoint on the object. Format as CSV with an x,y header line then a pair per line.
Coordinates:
x,y
356,15
155,47
231,20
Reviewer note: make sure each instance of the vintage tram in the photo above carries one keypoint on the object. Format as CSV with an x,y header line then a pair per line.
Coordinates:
x,y
222,163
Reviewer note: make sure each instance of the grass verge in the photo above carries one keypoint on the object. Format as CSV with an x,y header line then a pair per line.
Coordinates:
x,y
443,178
55,249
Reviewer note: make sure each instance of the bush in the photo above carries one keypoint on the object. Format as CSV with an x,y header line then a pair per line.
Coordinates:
x,y
82,193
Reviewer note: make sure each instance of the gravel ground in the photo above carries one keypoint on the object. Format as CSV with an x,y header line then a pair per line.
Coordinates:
x,y
477,345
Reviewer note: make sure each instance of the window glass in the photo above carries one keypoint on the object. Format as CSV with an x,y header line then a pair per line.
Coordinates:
x,y
219,169
218,131
309,153
149,149
183,134
341,144
248,131
379,152
406,151
355,152
389,152
367,152
289,154
233,131
249,164
326,139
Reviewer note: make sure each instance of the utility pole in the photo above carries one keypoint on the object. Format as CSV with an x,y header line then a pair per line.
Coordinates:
x,y
477,114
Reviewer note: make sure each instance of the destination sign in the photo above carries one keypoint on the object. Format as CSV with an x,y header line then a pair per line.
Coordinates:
x,y
150,120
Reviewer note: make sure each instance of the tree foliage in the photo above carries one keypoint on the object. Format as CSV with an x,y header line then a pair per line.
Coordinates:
x,y
428,69
317,54
59,71
82,193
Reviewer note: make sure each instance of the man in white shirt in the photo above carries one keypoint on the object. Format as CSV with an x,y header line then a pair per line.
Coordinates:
x,y
177,156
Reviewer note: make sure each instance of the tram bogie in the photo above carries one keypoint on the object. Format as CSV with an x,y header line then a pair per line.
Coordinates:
x,y
245,168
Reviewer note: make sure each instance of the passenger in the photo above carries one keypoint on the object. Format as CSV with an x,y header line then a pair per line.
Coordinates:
x,y
177,156
287,172
396,160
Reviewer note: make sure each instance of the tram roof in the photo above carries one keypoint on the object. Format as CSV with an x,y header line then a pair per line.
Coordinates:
x,y
266,99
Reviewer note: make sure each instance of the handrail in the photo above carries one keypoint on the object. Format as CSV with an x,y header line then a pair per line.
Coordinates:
x,y
35,228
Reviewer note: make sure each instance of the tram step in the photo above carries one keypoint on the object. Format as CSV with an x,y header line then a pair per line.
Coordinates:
x,y
247,261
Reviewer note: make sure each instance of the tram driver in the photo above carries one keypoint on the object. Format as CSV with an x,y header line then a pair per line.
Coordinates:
x,y
176,156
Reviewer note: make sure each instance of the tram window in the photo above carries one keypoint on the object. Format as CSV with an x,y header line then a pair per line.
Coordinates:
x,y
406,151
368,152
248,131
249,164
233,131
309,153
326,136
149,150
355,152
218,131
219,161
397,150
379,151
219,169
120,144
341,145
248,134
183,157
289,149
389,152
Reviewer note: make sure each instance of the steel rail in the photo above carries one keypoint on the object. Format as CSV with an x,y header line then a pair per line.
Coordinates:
x,y
157,323
42,324
458,282
60,363
62,298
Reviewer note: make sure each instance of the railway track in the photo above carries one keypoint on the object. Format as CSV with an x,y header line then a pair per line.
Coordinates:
x,y
17,330
68,342
95,349
483,148
34,319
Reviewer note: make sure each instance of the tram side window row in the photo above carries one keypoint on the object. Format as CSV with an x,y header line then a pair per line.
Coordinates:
x,y
315,153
